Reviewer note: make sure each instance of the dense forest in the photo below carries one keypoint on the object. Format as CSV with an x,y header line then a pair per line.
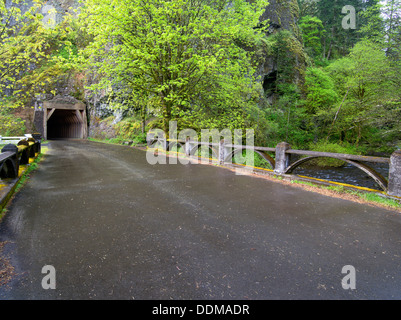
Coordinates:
x,y
198,62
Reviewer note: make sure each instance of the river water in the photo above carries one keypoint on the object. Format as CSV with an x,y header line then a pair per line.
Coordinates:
x,y
347,174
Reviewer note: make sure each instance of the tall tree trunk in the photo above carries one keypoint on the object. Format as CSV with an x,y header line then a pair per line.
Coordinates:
x,y
143,118
166,105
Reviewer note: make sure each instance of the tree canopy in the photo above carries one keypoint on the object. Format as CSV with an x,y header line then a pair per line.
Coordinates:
x,y
189,54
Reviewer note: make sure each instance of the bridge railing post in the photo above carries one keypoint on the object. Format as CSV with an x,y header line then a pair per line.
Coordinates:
x,y
394,181
282,158
222,151
38,139
188,146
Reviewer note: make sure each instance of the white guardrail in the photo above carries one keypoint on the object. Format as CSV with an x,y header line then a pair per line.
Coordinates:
x,y
13,140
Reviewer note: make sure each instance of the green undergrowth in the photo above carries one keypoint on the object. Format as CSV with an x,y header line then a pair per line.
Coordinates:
x,y
109,141
366,196
136,140
26,175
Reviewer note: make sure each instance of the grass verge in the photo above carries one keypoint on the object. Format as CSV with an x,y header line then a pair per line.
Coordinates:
x,y
378,199
119,141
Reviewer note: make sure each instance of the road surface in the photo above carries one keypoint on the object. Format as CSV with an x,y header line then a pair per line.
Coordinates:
x,y
115,227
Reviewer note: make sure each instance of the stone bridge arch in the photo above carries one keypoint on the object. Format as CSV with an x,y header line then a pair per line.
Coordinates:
x,y
377,177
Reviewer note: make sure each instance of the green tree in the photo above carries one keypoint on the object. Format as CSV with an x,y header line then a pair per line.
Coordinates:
x,y
383,26
320,90
34,55
22,42
391,10
60,68
373,27
338,41
365,80
313,34
189,53
321,98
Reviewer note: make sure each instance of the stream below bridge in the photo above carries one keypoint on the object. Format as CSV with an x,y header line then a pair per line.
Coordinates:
x,y
347,174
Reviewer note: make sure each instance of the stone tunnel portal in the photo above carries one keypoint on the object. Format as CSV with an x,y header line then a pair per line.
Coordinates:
x,y
64,119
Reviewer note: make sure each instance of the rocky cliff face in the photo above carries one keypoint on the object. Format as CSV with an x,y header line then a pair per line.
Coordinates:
x,y
283,15
61,6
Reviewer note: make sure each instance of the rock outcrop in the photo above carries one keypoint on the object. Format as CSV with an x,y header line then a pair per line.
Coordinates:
x,y
283,15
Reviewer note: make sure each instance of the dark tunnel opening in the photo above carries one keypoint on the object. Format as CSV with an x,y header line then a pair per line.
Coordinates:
x,y
64,124
270,83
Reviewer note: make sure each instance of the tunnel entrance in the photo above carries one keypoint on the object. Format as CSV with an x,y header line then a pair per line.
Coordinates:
x,y
64,124
64,118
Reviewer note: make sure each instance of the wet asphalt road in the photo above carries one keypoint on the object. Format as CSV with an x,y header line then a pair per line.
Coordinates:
x,y
115,227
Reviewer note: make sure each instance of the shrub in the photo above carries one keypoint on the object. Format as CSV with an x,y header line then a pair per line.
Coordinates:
x,y
11,125
140,138
128,128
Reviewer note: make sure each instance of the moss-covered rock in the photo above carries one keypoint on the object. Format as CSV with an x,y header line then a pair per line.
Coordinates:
x,y
283,15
